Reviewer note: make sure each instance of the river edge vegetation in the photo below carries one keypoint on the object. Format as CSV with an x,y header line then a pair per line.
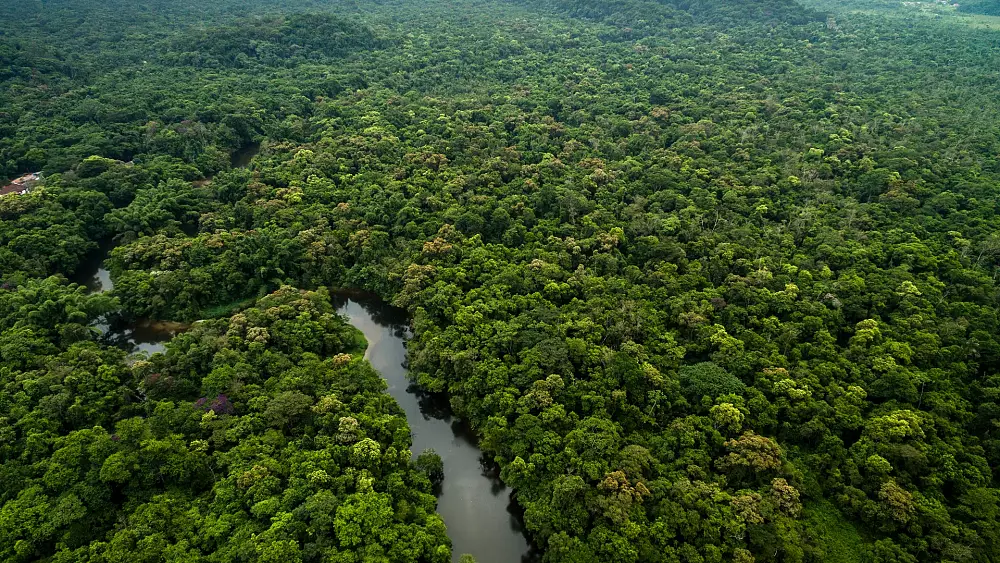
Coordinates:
x,y
715,281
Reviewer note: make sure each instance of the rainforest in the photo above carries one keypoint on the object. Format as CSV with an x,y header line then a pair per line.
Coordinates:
x,y
507,281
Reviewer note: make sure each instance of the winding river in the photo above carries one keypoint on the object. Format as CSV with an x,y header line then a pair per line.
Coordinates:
x,y
482,518
476,506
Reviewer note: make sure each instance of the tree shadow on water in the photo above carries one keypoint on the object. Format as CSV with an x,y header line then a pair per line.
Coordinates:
x,y
381,313
432,405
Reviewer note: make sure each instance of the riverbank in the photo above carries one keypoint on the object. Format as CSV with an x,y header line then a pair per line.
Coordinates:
x,y
482,518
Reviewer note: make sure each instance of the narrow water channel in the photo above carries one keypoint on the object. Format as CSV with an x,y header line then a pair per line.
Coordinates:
x,y
242,157
139,335
476,506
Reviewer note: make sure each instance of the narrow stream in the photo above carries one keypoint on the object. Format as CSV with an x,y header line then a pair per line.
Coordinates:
x,y
242,157
476,506
139,335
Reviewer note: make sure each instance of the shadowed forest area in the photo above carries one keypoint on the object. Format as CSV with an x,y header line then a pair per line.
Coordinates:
x,y
710,280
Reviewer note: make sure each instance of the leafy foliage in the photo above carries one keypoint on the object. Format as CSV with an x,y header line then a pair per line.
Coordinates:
x,y
713,281
985,7
279,42
126,461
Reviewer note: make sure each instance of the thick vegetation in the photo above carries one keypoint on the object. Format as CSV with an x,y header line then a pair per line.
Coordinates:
x,y
714,281
256,437
986,7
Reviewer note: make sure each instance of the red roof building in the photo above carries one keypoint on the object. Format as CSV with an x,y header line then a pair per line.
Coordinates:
x,y
21,185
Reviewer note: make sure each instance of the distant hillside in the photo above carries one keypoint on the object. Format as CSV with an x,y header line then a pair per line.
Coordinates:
x,y
735,11
28,61
985,7
641,17
277,41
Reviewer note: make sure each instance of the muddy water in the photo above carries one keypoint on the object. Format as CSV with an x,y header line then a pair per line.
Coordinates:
x,y
138,335
242,157
476,506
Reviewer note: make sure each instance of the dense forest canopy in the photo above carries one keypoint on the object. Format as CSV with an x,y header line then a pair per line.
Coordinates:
x,y
713,281
986,7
